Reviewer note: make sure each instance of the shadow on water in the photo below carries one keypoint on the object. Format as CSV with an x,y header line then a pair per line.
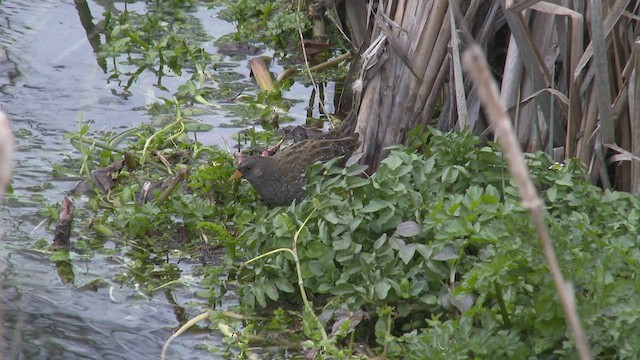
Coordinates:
x,y
49,77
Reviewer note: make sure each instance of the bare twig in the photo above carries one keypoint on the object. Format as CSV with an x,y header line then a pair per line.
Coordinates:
x,y
476,64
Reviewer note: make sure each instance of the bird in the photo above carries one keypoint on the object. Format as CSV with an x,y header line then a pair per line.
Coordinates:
x,y
279,179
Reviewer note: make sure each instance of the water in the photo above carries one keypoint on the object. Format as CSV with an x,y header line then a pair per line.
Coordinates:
x,y
49,79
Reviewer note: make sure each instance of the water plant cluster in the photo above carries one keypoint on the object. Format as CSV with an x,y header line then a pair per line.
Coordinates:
x,y
431,256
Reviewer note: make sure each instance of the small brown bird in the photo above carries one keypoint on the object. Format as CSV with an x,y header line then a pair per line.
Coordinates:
x,y
279,179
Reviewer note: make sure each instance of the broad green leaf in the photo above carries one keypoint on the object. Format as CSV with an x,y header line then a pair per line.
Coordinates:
x,y
424,250
316,249
331,217
374,205
447,253
342,244
392,162
406,253
259,295
284,285
317,267
552,194
382,289
271,291
342,289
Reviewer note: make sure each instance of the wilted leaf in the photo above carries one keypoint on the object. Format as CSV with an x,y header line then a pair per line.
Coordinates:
x,y
343,318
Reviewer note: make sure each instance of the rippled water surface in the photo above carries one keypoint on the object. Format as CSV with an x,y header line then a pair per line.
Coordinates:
x,y
49,78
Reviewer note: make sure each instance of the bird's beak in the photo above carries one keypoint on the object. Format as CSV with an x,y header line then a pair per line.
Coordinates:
x,y
236,176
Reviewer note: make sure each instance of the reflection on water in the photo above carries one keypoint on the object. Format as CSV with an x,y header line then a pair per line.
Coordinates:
x,y
49,77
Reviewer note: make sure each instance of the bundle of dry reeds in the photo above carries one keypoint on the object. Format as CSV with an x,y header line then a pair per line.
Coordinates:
x,y
567,69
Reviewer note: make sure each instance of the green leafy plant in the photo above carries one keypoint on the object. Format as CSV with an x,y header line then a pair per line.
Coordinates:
x,y
271,22
441,235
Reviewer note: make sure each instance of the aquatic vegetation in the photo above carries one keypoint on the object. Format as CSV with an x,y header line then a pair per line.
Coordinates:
x,y
434,248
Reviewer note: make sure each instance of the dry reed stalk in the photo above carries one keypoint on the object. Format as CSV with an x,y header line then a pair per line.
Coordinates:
x,y
261,74
496,111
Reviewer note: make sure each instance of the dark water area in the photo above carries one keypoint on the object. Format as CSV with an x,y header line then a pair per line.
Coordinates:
x,y
50,79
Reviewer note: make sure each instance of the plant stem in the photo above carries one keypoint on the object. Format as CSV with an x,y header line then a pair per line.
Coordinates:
x,y
503,308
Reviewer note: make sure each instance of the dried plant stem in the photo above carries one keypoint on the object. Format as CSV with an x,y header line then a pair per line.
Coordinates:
x,y
476,63
181,330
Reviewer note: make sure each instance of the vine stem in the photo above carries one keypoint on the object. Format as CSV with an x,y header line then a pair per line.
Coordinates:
x,y
294,252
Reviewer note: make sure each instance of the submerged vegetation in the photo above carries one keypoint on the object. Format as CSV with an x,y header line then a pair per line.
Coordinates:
x,y
432,256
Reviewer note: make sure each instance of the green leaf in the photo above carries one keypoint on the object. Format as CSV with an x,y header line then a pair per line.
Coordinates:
x,y
381,241
317,268
565,180
316,249
331,217
284,285
342,289
552,194
271,291
382,288
447,253
355,170
342,243
259,295
424,250
60,255
406,253
429,164
392,162
374,205
356,182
